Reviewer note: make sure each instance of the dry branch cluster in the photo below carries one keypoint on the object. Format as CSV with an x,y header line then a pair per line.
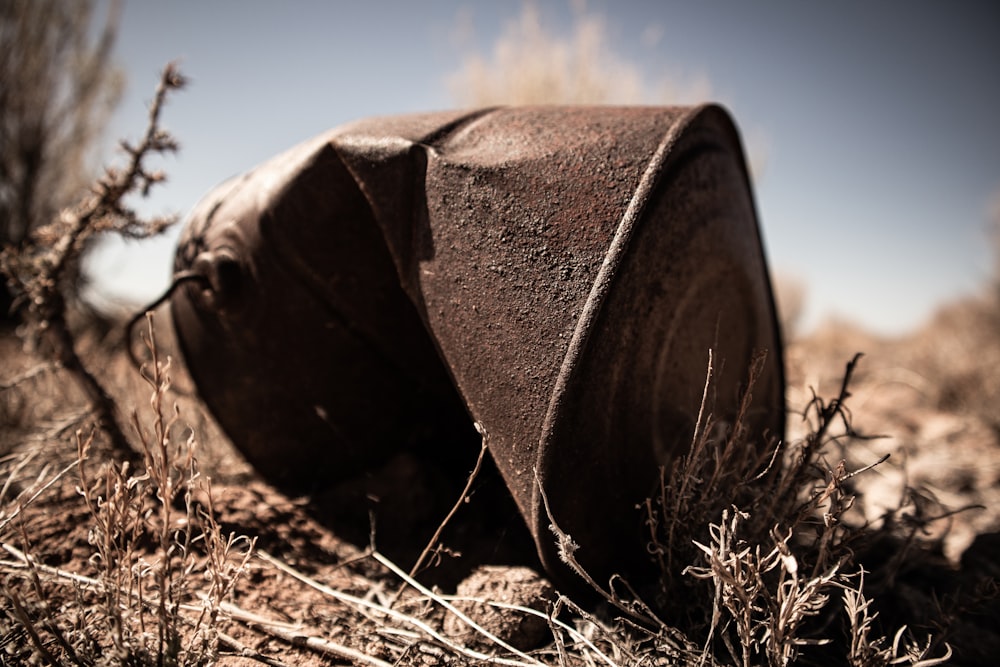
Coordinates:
x,y
39,270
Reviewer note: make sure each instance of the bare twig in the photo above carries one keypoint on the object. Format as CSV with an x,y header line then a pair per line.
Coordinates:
x,y
362,603
462,499
302,636
30,374
21,502
243,651
38,271
388,564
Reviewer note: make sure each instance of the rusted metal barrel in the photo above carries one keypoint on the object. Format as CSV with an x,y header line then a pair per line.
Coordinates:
x,y
558,274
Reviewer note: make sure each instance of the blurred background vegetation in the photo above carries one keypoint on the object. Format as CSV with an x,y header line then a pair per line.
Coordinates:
x,y
58,87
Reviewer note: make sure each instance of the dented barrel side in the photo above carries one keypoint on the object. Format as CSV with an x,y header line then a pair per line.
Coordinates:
x,y
558,274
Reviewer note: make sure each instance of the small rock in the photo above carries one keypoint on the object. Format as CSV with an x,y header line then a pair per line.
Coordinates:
x,y
520,586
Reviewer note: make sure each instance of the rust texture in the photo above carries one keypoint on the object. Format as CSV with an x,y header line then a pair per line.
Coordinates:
x,y
557,274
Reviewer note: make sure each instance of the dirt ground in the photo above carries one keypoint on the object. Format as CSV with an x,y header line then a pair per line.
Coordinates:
x,y
933,395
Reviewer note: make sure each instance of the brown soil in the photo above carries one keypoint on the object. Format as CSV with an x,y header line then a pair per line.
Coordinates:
x,y
941,427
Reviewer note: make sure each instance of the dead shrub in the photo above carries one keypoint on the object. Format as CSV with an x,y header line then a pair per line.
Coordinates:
x,y
162,568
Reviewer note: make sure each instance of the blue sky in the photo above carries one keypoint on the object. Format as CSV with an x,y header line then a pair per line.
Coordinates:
x,y
876,123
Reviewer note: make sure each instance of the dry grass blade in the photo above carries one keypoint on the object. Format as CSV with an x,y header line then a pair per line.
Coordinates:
x,y
28,495
301,636
30,374
462,499
24,561
392,567
406,619
557,625
240,650
635,608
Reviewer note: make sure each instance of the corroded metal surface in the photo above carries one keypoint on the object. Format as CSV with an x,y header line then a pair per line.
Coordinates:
x,y
557,274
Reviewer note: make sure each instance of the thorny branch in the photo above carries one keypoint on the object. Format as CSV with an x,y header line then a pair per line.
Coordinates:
x,y
38,271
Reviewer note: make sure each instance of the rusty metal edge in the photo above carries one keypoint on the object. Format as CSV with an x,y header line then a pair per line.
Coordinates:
x,y
604,283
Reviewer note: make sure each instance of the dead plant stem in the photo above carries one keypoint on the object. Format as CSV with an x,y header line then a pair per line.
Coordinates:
x,y
462,499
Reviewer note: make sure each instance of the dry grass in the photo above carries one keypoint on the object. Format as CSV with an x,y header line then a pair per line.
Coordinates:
x,y
161,565
756,545
762,541
757,548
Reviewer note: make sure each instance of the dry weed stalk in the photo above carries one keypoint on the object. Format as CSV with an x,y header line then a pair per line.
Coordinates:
x,y
866,651
39,271
434,544
767,611
164,568
776,558
11,468
762,604
780,485
774,562
719,465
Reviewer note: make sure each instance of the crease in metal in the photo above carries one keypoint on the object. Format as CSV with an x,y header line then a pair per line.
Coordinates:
x,y
641,198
